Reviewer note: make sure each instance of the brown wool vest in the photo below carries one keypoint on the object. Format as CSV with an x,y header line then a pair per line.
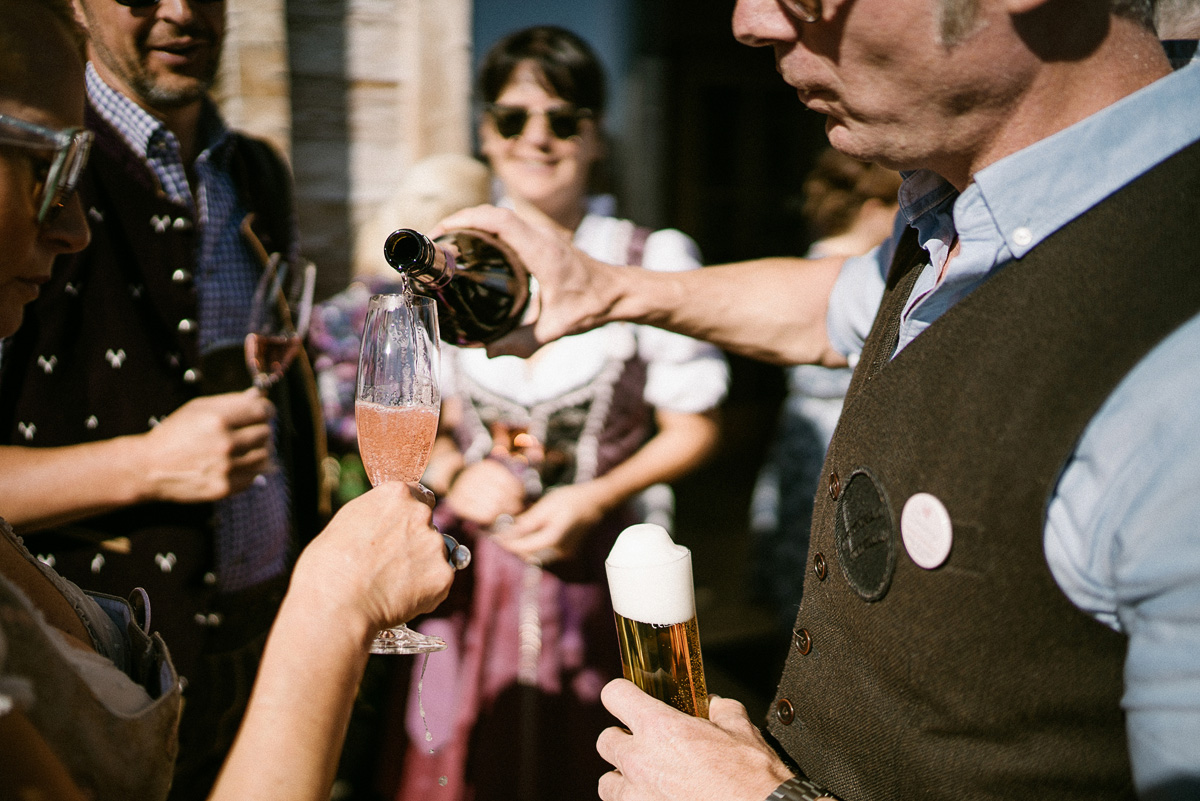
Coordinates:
x,y
979,679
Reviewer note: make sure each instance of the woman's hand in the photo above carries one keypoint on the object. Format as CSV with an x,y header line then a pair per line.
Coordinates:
x,y
484,491
378,563
555,526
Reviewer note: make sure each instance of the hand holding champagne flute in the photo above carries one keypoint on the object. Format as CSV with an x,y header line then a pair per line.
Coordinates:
x,y
396,407
279,316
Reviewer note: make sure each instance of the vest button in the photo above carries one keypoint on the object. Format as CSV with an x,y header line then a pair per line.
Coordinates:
x,y
187,326
820,567
192,376
784,712
835,485
803,641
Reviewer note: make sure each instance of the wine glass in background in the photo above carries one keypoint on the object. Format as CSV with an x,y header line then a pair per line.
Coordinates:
x,y
396,405
279,315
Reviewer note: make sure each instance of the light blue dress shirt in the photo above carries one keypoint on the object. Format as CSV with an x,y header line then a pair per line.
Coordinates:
x,y
1122,532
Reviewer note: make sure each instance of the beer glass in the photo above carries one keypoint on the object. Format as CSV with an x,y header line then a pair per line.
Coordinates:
x,y
654,603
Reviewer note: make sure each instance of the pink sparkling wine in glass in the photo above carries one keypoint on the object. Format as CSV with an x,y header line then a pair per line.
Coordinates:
x,y
394,441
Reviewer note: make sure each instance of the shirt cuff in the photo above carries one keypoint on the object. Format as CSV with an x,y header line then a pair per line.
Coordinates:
x,y
798,788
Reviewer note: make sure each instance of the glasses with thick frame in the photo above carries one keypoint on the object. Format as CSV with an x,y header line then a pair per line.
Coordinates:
x,y
563,121
803,10
57,181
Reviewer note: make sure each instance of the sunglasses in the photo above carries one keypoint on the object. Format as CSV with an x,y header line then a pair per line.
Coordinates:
x,y
60,175
148,3
511,120
803,10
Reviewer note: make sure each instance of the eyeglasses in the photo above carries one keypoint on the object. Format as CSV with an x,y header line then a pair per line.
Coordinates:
x,y
511,120
59,177
148,3
803,10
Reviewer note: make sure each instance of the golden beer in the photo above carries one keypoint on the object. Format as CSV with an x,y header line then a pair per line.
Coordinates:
x,y
665,662
654,603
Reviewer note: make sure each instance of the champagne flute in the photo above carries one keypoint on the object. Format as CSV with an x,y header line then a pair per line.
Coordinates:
x,y
279,314
396,406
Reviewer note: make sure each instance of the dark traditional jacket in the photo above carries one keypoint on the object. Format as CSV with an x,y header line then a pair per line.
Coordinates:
x,y
978,678
111,347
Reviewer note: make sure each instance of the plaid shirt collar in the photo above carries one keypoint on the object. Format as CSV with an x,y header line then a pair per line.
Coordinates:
x,y
153,142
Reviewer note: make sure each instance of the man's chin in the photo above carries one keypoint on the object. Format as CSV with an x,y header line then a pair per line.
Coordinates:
x,y
178,92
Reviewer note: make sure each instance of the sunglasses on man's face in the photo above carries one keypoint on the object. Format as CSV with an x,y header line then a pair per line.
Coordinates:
x,y
803,10
148,3
563,121
58,174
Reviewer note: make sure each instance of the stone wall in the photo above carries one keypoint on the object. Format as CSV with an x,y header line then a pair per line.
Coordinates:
x,y
352,92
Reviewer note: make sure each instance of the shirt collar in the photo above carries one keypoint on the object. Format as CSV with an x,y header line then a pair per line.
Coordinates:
x,y
1035,191
139,128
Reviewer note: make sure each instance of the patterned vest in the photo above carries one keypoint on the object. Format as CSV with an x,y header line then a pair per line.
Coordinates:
x,y
978,678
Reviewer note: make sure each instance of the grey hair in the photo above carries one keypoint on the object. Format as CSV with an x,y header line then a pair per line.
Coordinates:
x,y
1177,19
958,19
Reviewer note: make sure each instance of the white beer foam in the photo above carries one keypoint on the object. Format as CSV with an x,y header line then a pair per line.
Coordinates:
x,y
650,577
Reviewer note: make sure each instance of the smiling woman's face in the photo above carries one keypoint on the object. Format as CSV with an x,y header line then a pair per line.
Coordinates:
x,y
44,86
536,166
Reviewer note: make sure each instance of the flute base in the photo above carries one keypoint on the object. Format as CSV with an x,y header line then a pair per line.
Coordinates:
x,y
403,640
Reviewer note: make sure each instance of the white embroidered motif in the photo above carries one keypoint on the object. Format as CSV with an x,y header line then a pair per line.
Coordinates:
x,y
47,365
165,561
27,430
115,358
92,423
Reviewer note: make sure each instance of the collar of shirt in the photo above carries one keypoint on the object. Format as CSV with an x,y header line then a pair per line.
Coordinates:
x,y
152,141
1015,203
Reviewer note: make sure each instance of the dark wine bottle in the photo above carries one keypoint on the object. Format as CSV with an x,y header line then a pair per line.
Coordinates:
x,y
480,286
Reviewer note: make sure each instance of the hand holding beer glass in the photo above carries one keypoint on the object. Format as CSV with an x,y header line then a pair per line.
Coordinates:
x,y
654,603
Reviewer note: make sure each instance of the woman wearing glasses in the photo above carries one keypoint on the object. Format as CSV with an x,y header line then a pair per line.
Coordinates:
x,y
89,700
545,460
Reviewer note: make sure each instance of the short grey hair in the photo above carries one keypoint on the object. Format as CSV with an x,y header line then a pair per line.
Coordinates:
x,y
1177,19
957,19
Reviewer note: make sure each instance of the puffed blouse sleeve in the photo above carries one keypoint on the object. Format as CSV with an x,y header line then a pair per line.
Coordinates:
x,y
683,374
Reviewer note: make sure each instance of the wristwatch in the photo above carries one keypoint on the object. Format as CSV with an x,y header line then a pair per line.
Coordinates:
x,y
798,788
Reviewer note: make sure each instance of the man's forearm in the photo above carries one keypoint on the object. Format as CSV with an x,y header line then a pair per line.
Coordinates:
x,y
772,310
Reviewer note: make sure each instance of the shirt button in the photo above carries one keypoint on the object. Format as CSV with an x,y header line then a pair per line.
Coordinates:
x,y
835,485
820,567
785,713
192,376
186,326
1022,236
803,641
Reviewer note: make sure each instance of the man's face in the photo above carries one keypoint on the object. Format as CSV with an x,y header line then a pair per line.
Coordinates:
x,y
891,91
164,56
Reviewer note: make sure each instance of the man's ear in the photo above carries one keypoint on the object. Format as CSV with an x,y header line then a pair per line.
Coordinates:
x,y
81,16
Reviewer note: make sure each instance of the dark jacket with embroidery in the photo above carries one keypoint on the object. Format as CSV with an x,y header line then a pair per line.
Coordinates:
x,y
111,347
979,678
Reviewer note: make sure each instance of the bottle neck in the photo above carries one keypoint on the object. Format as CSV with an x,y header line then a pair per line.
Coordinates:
x,y
412,254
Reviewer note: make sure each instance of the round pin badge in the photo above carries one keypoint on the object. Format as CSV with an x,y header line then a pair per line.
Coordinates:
x,y
926,530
